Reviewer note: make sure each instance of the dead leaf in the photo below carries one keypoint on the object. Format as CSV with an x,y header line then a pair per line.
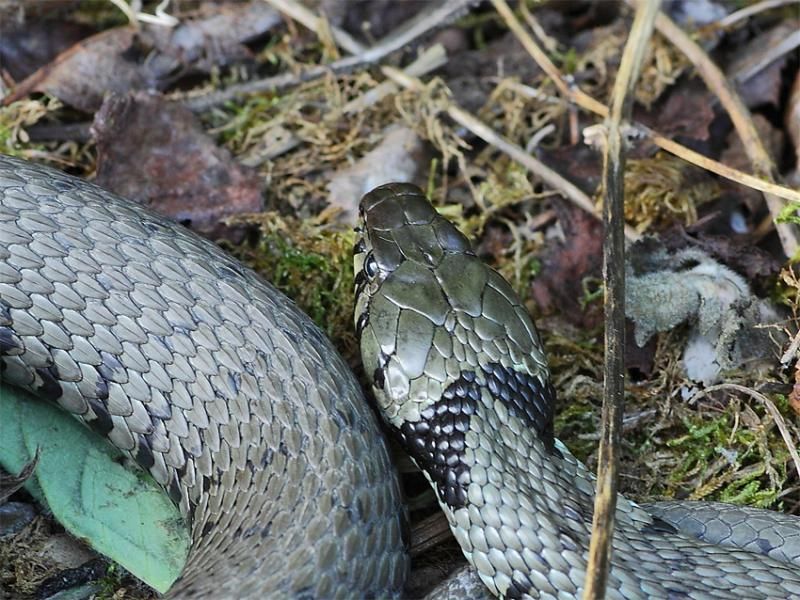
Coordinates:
x,y
80,76
156,153
395,158
568,266
470,74
30,45
215,36
756,68
685,114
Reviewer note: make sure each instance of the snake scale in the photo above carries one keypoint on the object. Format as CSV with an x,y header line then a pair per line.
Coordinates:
x,y
241,409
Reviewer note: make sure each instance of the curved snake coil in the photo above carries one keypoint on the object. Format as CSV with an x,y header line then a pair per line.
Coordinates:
x,y
209,379
459,372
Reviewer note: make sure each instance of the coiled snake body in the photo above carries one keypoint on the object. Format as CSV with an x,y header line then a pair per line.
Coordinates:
x,y
237,404
210,379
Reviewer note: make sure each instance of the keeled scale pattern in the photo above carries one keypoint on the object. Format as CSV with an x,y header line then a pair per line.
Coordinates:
x,y
210,379
439,326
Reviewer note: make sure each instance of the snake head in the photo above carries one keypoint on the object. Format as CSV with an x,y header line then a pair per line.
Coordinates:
x,y
427,309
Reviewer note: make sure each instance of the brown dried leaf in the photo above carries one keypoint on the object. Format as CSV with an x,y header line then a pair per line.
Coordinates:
x,y
216,36
568,265
30,45
81,75
685,114
156,153
756,67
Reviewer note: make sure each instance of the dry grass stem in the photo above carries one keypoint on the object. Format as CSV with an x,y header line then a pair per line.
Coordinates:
x,y
771,409
431,59
605,502
749,11
310,21
568,90
580,98
428,20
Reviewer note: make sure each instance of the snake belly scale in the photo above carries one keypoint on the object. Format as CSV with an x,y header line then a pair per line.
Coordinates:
x,y
459,372
209,379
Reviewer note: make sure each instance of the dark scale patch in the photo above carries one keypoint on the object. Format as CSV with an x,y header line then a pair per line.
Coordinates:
x,y
659,526
9,343
525,397
363,319
174,491
378,378
50,388
110,367
379,374
360,282
518,589
144,455
102,424
436,441
764,545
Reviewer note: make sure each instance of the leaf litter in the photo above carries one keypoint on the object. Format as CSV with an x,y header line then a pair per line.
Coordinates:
x,y
301,137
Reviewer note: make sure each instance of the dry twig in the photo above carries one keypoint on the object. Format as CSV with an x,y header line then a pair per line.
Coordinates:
x,y
428,20
605,502
754,9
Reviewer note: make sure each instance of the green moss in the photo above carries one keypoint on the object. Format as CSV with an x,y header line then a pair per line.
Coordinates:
x,y
717,457
315,269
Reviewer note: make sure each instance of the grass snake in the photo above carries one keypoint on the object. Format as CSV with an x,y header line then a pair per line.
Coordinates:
x,y
459,373
238,405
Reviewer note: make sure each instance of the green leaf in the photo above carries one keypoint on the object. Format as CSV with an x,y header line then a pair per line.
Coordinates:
x,y
121,513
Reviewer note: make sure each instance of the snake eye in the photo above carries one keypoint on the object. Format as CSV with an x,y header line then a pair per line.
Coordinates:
x,y
371,266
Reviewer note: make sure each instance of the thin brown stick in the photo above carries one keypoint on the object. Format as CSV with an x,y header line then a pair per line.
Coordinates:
x,y
572,93
740,116
314,23
605,502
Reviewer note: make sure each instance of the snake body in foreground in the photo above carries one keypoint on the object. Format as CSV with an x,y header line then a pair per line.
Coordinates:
x,y
211,380
458,370
238,405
